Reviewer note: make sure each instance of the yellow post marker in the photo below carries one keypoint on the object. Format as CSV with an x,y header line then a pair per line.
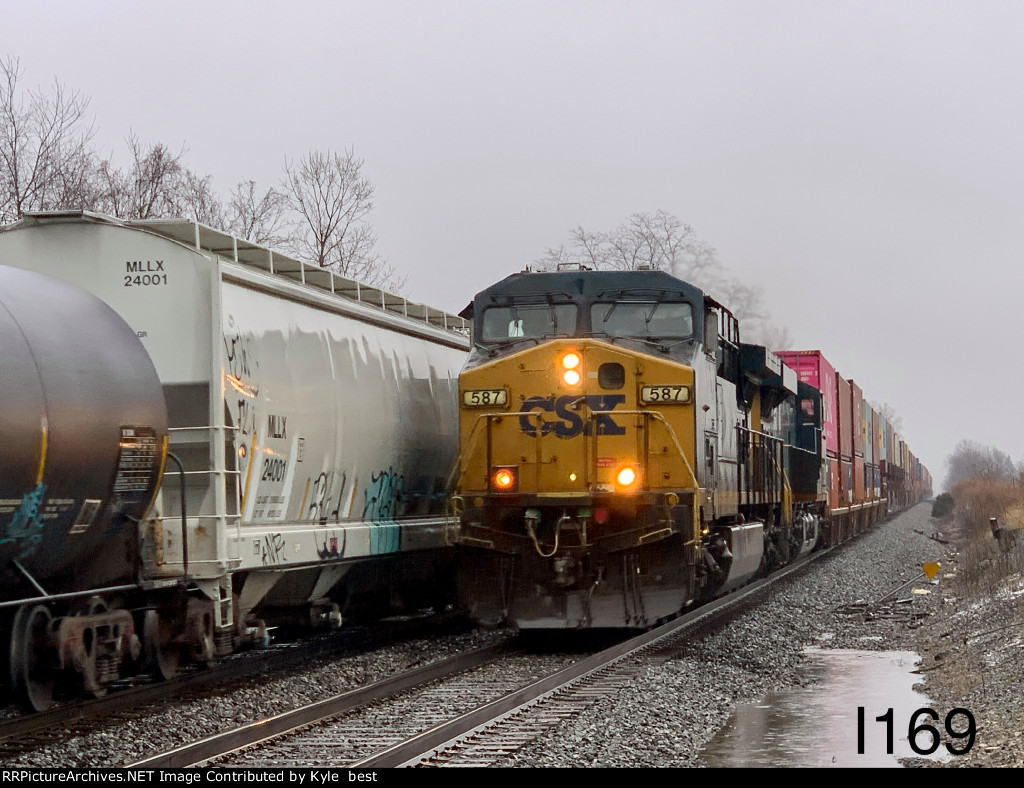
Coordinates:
x,y
931,569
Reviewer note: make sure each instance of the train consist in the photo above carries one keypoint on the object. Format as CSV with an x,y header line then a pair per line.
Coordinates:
x,y
203,439
624,455
308,424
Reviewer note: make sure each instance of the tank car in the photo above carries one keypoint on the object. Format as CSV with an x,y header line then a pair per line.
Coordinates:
x,y
623,455
83,431
311,423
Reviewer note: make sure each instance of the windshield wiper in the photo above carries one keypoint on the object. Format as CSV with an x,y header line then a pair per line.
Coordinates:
x,y
655,342
493,350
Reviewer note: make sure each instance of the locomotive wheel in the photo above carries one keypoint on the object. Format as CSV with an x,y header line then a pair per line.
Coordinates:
x,y
163,656
32,677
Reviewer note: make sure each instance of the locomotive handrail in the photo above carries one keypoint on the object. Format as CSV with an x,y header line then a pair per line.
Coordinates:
x,y
457,467
471,443
767,447
787,498
668,427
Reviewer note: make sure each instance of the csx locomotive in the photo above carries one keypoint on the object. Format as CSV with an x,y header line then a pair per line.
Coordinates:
x,y
623,454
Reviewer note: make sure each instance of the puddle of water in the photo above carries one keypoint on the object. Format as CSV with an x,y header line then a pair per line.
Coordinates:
x,y
818,726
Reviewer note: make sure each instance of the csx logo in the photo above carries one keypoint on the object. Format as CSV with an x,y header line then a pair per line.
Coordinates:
x,y
570,423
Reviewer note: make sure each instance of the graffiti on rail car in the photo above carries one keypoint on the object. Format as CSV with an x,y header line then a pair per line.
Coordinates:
x,y
330,546
382,497
272,549
325,497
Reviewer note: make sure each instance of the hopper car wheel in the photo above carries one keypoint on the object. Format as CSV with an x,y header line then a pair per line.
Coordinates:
x,y
163,655
32,676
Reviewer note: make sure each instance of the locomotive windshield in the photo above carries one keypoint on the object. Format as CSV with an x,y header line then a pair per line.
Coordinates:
x,y
643,319
527,321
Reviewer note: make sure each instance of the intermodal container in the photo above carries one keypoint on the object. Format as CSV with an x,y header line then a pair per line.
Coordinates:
x,y
813,368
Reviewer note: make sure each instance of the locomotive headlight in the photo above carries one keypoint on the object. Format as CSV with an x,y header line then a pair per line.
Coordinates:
x,y
572,366
626,476
503,479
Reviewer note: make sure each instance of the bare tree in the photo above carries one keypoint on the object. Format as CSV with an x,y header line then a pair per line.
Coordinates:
x,y
662,241
971,460
46,163
772,335
332,198
197,200
45,159
257,219
156,185
656,240
888,412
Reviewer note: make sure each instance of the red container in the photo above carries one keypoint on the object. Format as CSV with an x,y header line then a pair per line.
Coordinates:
x,y
857,424
812,367
876,437
858,480
888,453
834,498
845,421
845,482
868,435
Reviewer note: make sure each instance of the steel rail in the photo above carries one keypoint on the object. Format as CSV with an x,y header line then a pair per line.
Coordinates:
x,y
425,745
207,751
198,753
259,662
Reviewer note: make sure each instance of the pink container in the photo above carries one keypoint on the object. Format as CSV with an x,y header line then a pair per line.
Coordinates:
x,y
813,368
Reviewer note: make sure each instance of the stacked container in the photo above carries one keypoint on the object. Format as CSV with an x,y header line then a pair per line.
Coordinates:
x,y
813,368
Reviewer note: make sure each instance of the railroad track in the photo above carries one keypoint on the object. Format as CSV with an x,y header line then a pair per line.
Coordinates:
x,y
473,710
21,733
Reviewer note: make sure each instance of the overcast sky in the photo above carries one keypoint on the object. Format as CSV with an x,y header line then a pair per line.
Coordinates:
x,y
861,161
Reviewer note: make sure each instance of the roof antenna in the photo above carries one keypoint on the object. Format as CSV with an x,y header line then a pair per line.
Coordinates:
x,y
573,267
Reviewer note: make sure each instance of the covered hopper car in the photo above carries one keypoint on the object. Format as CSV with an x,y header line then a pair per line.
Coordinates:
x,y
308,423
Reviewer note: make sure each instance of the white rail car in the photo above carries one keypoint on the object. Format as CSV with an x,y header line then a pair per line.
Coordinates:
x,y
314,419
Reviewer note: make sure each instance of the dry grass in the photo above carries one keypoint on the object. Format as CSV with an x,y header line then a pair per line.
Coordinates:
x,y
988,606
984,562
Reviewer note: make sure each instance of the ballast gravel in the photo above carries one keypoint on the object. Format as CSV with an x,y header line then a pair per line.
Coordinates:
x,y
857,597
